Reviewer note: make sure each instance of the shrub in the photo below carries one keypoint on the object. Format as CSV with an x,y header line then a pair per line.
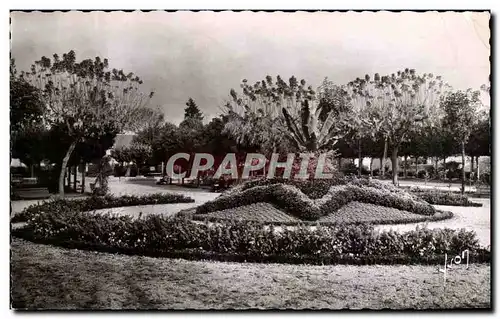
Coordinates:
x,y
485,178
156,235
293,201
119,170
315,188
446,198
95,202
422,174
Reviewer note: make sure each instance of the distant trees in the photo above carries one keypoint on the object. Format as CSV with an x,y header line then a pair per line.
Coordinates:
x,y
86,98
27,127
460,119
399,104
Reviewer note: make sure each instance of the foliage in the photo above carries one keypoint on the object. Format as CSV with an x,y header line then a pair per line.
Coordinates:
x,y
93,203
399,104
27,130
177,237
86,99
137,153
192,111
479,143
461,117
443,198
352,213
271,111
314,189
294,202
461,113
26,106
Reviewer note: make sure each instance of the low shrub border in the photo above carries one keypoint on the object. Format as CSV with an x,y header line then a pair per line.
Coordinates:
x,y
444,198
160,236
440,215
93,203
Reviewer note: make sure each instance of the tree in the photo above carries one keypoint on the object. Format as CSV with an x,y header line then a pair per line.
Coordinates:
x,y
27,128
257,131
400,103
461,116
289,110
361,120
86,98
137,153
192,111
215,140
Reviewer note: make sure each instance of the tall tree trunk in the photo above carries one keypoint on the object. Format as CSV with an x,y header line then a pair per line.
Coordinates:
x,y
380,170
63,167
463,168
436,165
84,168
444,166
371,166
359,158
384,157
405,167
477,168
395,169
416,160
32,167
69,176
74,177
471,168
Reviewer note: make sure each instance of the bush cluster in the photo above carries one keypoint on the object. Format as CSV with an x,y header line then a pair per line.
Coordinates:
x,y
293,201
95,202
313,188
444,198
156,235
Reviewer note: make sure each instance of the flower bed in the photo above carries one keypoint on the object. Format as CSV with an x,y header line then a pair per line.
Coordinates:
x,y
352,213
293,201
93,203
260,212
247,241
436,197
360,213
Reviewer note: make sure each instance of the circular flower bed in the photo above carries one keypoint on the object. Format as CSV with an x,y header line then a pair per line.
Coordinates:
x,y
335,201
95,202
160,236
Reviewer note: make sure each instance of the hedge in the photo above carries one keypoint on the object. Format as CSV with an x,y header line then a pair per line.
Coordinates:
x,y
161,236
296,203
95,202
444,198
440,215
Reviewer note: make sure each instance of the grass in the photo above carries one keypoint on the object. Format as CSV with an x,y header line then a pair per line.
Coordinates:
x,y
46,277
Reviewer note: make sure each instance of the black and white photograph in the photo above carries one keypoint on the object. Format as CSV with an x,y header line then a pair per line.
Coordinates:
x,y
250,160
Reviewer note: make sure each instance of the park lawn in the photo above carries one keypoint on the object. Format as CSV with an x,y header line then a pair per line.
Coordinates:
x,y
46,277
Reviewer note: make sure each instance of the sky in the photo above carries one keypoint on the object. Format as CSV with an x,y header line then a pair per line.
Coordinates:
x,y
203,55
